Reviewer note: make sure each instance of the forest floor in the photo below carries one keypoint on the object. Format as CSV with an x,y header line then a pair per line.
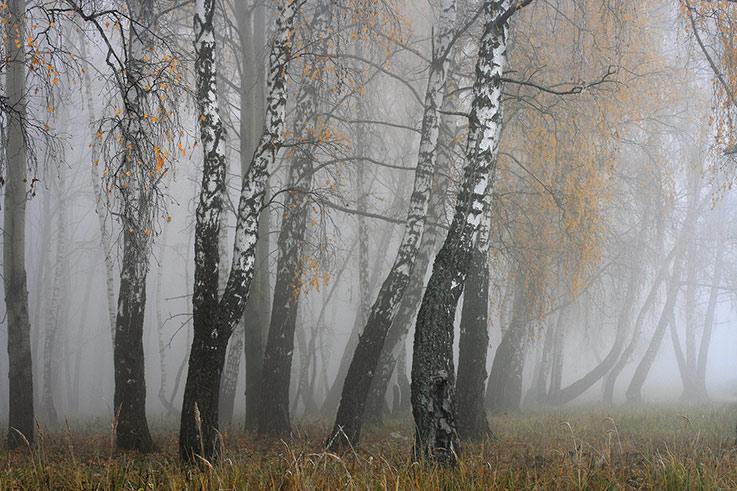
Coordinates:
x,y
582,448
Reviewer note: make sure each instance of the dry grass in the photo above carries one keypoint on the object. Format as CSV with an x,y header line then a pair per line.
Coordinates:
x,y
588,448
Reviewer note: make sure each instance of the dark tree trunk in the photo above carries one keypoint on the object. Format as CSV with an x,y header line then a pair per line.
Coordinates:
x,y
255,323
365,282
129,400
21,422
474,343
131,426
251,25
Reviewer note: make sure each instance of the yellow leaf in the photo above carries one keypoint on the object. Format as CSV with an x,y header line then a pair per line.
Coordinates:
x,y
160,158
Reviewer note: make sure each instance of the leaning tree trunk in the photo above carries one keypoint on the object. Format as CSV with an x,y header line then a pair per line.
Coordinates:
x,y
20,372
214,318
611,377
277,364
433,398
348,422
474,342
634,390
505,378
365,283
360,135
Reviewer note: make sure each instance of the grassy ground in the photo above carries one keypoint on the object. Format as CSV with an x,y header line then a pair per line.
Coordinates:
x,y
586,448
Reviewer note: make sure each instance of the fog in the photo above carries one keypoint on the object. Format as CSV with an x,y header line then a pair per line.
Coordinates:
x,y
608,211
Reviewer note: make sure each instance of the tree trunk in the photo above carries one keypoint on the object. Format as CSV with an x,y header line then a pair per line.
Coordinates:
x,y
105,238
131,426
129,400
81,334
539,388
365,283
277,364
162,346
20,371
54,315
214,318
634,390
255,321
611,378
709,322
474,342
505,379
230,379
348,422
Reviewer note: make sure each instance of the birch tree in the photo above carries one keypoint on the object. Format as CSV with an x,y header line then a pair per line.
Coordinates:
x,y
215,317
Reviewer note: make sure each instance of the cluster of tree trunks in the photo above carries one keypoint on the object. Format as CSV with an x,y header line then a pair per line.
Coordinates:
x,y
433,374
216,316
357,385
